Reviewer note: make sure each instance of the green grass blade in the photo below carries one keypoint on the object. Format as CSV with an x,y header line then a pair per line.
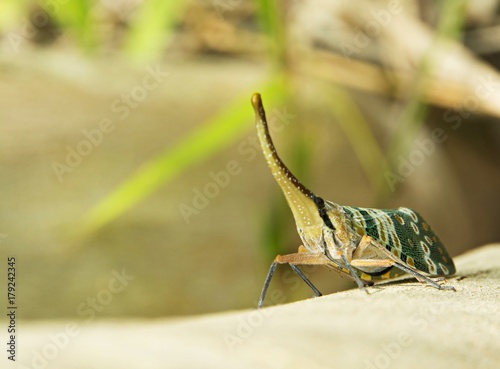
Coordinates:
x,y
211,137
152,27
450,24
75,16
452,19
360,136
271,20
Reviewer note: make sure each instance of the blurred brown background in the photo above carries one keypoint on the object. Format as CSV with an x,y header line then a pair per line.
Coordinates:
x,y
360,80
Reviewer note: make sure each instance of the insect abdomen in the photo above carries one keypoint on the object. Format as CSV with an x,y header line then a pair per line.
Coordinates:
x,y
405,234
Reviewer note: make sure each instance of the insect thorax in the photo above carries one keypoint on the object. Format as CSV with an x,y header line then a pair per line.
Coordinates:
x,y
312,238
338,234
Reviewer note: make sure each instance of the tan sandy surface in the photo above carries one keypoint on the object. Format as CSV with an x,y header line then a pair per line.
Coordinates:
x,y
397,326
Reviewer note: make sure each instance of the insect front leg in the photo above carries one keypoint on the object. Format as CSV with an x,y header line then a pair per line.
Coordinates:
x,y
269,276
345,261
300,258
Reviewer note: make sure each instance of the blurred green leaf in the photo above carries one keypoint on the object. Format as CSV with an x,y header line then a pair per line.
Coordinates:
x,y
11,11
452,18
275,228
272,23
152,27
75,15
450,23
360,136
213,136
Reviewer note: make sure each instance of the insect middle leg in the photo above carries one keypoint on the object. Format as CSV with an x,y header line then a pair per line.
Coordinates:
x,y
370,254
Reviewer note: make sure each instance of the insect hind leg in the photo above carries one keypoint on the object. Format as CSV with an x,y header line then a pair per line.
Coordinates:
x,y
305,279
422,278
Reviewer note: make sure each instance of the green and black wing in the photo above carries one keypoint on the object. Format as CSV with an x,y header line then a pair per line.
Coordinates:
x,y
405,234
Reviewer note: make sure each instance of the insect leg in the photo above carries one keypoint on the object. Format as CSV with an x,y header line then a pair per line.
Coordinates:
x,y
422,278
355,275
348,265
270,273
305,279
300,258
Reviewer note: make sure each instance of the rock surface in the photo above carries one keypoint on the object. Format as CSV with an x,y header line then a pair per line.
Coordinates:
x,y
405,325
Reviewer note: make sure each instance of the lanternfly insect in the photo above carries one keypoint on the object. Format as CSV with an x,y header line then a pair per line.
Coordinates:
x,y
367,245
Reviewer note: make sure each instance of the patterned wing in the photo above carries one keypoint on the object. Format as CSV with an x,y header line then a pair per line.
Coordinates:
x,y
406,235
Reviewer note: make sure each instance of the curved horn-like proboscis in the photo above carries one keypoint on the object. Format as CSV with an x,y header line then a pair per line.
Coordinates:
x,y
299,198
